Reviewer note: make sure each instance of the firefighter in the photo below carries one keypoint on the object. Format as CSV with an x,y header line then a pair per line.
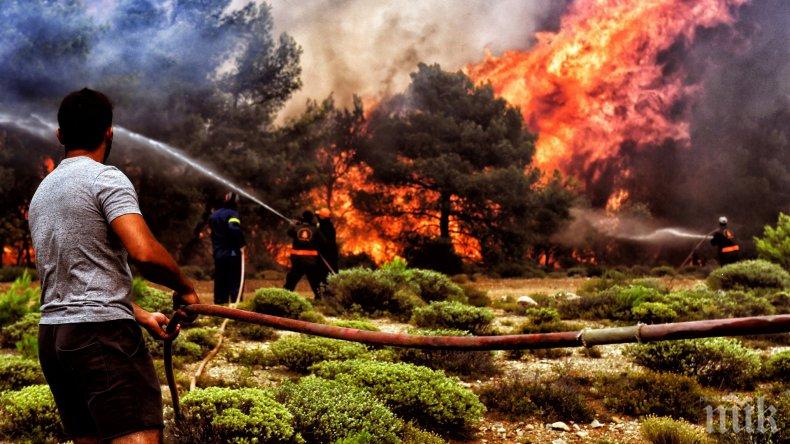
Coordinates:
x,y
305,260
227,239
329,253
727,248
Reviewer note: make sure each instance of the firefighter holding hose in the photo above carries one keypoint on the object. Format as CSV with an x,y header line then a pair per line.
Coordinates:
x,y
727,248
307,242
227,239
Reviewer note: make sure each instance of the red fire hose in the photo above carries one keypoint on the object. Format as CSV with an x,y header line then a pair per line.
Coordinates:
x,y
583,338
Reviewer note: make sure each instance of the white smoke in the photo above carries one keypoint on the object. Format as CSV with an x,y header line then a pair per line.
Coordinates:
x,y
369,47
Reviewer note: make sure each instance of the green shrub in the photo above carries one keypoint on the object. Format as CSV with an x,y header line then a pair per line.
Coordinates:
x,y
251,332
17,372
716,362
653,313
615,303
778,366
453,315
663,270
279,302
415,435
246,415
151,299
28,346
252,356
738,304
299,352
358,324
13,333
372,293
181,347
780,301
671,431
474,364
435,286
30,415
20,299
545,320
205,337
753,434
10,274
552,399
749,274
650,393
326,411
774,246
435,401
474,296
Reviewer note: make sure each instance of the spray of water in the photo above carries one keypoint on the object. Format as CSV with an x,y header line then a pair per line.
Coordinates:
x,y
40,127
663,234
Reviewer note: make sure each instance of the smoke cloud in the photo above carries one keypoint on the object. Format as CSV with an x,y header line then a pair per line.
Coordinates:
x,y
369,48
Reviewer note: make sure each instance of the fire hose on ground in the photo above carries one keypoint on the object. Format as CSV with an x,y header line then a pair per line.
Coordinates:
x,y
584,338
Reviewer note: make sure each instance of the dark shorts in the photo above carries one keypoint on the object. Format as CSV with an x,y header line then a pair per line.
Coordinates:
x,y
102,378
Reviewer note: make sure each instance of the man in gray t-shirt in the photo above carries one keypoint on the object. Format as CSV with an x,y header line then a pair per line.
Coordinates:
x,y
85,222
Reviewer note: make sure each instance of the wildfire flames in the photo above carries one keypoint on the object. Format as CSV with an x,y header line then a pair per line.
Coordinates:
x,y
598,82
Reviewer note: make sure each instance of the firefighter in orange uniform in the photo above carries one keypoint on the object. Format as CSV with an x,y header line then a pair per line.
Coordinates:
x,y
307,242
727,248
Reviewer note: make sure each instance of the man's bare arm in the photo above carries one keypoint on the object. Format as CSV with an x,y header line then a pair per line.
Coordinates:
x,y
151,258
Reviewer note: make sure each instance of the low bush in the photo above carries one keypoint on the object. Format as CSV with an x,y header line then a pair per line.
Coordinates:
x,y
657,430
205,337
545,320
28,346
26,326
551,399
749,274
435,401
663,270
20,299
774,245
614,303
246,415
738,304
328,411
372,293
434,286
299,352
474,296
30,415
653,313
10,274
753,433
474,364
453,315
780,301
595,285
252,356
251,332
651,393
151,299
278,302
415,435
718,362
778,366
182,347
17,372
358,324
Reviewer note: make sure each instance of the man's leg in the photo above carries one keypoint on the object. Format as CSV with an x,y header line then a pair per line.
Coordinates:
x,y
315,276
222,281
294,274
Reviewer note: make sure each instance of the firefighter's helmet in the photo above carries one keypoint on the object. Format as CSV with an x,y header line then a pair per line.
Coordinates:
x,y
723,221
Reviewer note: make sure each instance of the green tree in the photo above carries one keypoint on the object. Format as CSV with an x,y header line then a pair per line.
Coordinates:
x,y
774,246
463,156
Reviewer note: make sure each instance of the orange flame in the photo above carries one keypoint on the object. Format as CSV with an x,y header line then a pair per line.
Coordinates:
x,y
596,82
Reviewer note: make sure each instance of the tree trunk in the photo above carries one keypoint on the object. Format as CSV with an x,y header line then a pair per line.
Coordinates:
x,y
444,216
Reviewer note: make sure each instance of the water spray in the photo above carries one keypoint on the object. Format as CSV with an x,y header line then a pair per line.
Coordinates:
x,y
43,128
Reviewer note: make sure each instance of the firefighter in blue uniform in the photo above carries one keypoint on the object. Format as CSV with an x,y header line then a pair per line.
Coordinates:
x,y
306,243
227,240
727,248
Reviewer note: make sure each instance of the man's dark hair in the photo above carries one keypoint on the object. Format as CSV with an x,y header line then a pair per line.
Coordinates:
x,y
307,216
84,117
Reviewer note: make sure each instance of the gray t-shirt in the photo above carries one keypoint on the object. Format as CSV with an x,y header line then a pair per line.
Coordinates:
x,y
85,276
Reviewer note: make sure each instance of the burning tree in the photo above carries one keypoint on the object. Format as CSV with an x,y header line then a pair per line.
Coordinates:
x,y
449,152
